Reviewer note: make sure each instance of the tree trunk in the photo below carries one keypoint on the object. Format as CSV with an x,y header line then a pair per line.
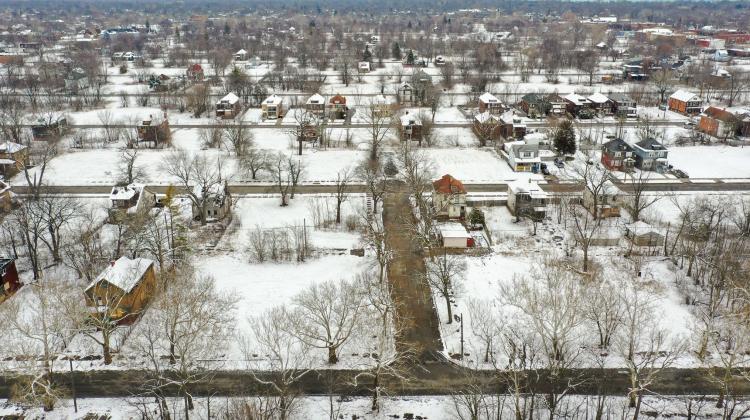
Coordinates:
x,y
375,385
338,212
107,351
450,310
332,357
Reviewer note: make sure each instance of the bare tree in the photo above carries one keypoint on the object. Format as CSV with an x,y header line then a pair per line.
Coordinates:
x,y
130,171
253,161
109,125
343,179
200,179
637,200
239,138
379,125
374,177
445,274
211,136
326,316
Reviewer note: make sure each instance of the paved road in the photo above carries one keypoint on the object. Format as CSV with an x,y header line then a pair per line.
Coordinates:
x,y
406,274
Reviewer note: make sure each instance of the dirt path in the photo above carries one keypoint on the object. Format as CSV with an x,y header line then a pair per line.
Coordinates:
x,y
406,271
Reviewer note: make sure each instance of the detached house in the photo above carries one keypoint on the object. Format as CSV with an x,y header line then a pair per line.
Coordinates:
x,y
449,197
228,107
76,81
271,108
194,73
46,129
337,109
154,133
9,282
650,155
130,200
522,157
411,127
363,67
617,155
316,105
576,103
685,102
539,105
218,205
600,103
240,55
122,291
488,102
623,106
721,123
13,158
605,202
527,199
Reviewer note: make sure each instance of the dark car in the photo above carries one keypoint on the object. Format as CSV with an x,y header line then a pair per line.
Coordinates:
x,y
680,173
544,169
559,163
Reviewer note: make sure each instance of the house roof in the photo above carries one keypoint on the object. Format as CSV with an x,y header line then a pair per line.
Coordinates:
x,y
125,193
453,230
11,147
197,68
448,185
684,96
230,98
617,145
241,51
123,273
486,116
719,114
488,98
598,98
650,144
620,97
338,100
273,100
576,99
410,119
642,228
527,187
315,99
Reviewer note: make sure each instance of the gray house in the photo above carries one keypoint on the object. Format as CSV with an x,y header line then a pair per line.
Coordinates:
x,y
650,155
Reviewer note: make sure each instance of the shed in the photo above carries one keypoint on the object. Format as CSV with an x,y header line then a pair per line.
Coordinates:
x,y
455,235
643,234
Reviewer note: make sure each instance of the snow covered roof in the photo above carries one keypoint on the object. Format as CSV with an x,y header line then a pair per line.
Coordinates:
x,y
485,117
576,99
11,147
453,230
527,187
315,99
273,100
125,193
123,273
684,96
240,52
410,119
488,98
642,228
598,98
230,98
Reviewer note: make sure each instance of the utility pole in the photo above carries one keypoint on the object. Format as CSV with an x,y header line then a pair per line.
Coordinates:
x,y
462,336
73,385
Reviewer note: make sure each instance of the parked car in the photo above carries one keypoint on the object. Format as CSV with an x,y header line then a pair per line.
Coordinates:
x,y
545,170
662,107
559,163
680,173
689,123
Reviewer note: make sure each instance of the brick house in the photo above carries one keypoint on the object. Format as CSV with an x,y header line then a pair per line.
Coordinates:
x,y
623,105
316,105
617,155
721,123
194,73
13,158
410,127
228,107
488,102
9,282
337,109
685,102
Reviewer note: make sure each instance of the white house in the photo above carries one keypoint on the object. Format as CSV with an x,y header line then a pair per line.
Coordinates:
x,y
130,200
240,55
449,197
527,199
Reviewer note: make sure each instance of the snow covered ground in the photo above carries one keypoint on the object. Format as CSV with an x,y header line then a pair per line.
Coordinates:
x,y
712,161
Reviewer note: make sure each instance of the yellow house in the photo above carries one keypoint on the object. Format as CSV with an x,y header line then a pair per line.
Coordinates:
x,y
122,290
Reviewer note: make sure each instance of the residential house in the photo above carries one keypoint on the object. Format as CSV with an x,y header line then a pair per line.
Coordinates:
x,y
155,134
381,107
605,202
272,108
440,60
601,104
617,155
415,91
240,55
527,199
363,67
576,103
121,292
720,123
454,235
449,197
643,234
337,109
487,126
623,105
13,158
9,281
539,105
76,80
488,102
45,129
130,200
194,73
685,102
218,205
228,107
650,155
522,157
316,105
411,127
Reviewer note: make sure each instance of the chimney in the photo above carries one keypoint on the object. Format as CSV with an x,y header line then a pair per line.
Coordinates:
x,y
112,263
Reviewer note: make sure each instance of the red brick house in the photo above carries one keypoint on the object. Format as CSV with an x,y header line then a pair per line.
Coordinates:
x,y
488,102
685,102
722,123
337,109
194,73
617,155
9,282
